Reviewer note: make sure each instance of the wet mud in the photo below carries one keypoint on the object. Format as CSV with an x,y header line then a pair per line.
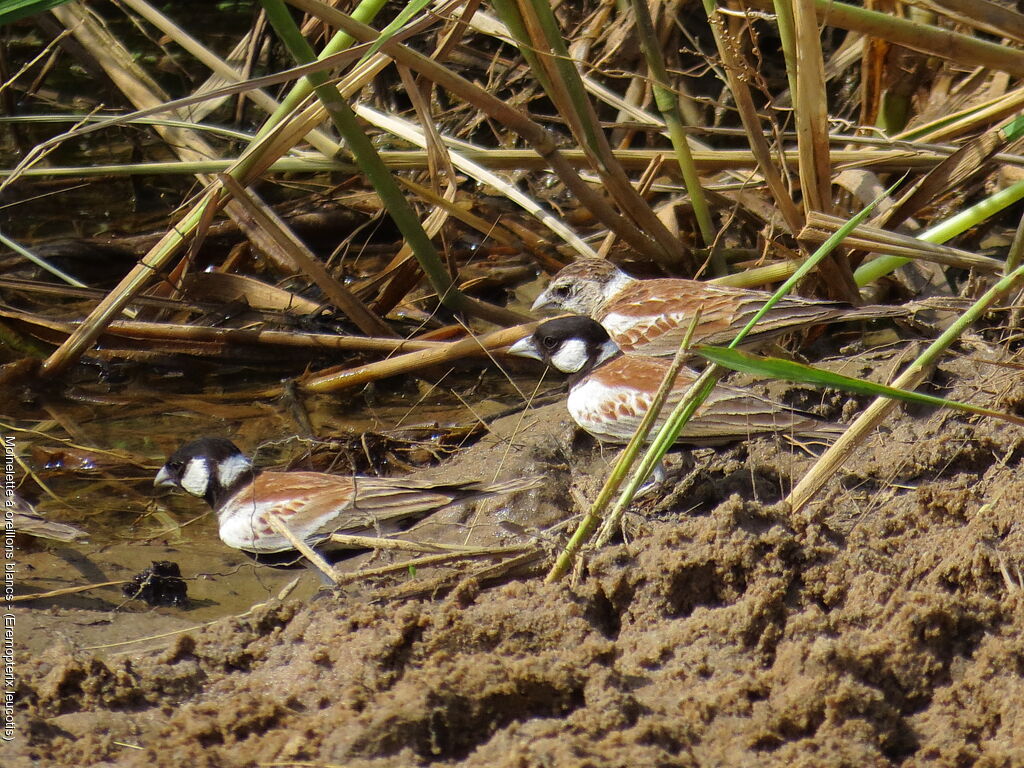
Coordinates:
x,y
883,625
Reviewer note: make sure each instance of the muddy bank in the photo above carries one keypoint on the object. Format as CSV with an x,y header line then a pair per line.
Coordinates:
x,y
883,626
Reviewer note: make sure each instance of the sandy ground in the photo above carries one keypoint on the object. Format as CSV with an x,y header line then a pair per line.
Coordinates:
x,y
874,628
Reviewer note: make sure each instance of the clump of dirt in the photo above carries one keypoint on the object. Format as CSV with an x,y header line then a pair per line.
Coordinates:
x,y
884,625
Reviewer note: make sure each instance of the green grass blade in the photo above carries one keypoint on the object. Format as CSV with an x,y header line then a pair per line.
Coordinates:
x,y
396,24
824,250
12,10
787,370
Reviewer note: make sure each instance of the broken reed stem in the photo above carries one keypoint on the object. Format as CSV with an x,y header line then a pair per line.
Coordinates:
x,y
401,545
282,237
142,330
332,381
137,329
304,549
810,102
65,591
429,588
881,241
416,562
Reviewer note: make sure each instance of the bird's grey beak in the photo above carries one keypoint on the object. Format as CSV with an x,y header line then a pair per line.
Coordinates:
x,y
525,348
163,478
541,302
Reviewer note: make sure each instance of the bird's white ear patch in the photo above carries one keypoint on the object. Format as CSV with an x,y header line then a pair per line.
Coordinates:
x,y
229,470
196,477
616,283
571,356
608,350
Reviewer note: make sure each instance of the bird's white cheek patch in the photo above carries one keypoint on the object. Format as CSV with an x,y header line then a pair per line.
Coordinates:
x,y
229,470
196,477
571,356
618,282
608,350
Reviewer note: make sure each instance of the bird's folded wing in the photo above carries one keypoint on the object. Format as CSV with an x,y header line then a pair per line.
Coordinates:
x,y
613,408
656,324
653,316
314,505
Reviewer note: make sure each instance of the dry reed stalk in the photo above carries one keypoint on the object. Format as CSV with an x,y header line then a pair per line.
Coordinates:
x,y
332,381
213,341
324,341
302,547
738,72
429,588
967,120
422,562
876,240
968,161
962,50
811,105
284,239
543,141
65,591
400,545
906,155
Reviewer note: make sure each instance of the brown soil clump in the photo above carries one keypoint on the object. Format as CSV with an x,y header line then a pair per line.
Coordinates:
x,y
882,626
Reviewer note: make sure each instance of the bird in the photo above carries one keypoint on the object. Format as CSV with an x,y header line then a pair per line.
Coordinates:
x,y
652,317
313,505
610,391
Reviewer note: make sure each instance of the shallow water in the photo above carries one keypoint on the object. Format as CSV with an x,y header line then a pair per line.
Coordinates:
x,y
91,454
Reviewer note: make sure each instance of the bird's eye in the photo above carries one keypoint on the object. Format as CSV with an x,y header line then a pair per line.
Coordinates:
x,y
561,291
549,342
176,464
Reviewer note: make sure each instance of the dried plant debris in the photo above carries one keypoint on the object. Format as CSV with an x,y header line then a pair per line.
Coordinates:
x,y
160,584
